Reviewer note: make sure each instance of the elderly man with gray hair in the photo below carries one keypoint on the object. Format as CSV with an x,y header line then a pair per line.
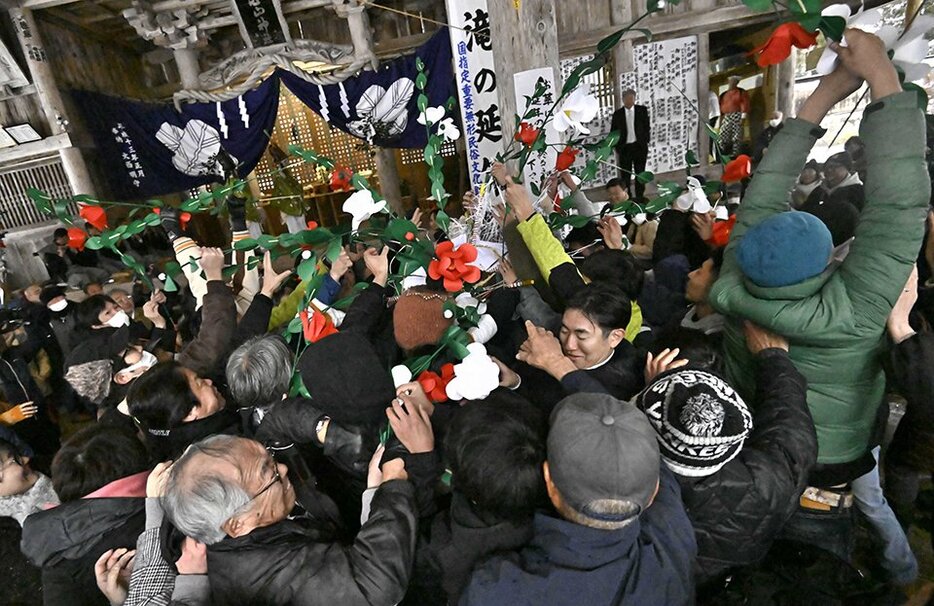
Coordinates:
x,y
230,494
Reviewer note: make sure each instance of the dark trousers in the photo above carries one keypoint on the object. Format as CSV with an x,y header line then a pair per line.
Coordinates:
x,y
831,530
632,157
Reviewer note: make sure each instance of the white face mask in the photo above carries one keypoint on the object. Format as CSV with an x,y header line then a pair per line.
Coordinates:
x,y
59,305
118,320
147,361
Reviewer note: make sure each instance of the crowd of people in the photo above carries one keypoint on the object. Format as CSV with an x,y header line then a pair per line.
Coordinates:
x,y
687,408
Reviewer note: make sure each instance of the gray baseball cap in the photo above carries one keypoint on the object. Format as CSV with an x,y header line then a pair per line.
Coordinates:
x,y
603,458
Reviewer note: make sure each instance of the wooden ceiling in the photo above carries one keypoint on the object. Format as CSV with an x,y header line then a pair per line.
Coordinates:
x,y
99,18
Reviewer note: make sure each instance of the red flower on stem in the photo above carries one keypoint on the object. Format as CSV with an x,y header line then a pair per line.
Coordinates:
x,y
94,215
316,325
341,178
737,169
527,134
778,47
435,385
453,265
722,231
566,158
76,238
312,225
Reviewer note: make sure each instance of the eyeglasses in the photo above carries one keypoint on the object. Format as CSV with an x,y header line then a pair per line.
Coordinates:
x,y
276,479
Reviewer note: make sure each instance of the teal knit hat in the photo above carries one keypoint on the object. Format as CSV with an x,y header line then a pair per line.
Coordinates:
x,y
785,249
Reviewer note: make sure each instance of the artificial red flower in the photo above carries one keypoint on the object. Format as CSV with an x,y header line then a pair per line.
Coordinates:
x,y
435,385
316,325
722,231
341,178
566,158
76,238
183,218
527,134
94,215
409,236
312,225
453,265
778,47
737,169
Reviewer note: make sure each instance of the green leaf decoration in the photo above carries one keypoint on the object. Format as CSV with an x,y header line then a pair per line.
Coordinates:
x,y
310,156
758,5
307,268
607,44
419,64
334,250
169,285
422,102
295,326
690,158
94,243
443,220
419,364
267,241
313,237
578,220
832,27
172,269
359,182
42,201
229,271
245,244
297,388
805,7
421,81
151,220
646,176
714,135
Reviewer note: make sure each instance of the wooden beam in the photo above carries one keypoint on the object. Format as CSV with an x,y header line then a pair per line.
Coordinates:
x,y
666,27
40,4
42,147
68,21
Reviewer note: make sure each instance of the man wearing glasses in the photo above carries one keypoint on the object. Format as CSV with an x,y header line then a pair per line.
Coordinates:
x,y
230,494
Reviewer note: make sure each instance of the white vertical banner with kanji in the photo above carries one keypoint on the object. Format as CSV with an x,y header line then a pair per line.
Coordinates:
x,y
476,85
539,166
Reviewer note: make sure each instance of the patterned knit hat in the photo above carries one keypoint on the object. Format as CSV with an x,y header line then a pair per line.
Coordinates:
x,y
418,318
700,420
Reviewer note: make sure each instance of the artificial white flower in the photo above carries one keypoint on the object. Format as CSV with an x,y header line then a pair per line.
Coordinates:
x,y
475,377
417,278
362,206
485,329
465,300
909,50
431,115
639,218
449,130
400,375
579,108
694,199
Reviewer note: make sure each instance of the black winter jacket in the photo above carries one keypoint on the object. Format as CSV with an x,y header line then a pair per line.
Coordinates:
x,y
295,562
912,365
67,540
737,511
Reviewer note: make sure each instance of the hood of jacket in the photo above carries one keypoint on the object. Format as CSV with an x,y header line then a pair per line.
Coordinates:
x,y
852,179
71,530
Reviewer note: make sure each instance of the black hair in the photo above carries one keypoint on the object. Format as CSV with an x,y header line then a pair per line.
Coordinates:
x,y
604,305
700,350
615,182
617,268
95,457
584,235
9,450
89,285
61,232
161,398
496,448
87,313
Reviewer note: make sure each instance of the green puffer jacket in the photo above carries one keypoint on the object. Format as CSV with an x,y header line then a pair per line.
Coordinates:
x,y
835,321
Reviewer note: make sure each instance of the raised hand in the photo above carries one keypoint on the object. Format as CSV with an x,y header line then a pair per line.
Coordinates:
x,y
665,360
272,280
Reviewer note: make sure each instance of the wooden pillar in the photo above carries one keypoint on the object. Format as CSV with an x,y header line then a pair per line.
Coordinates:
x,y
785,86
620,16
522,39
49,97
189,69
703,98
385,159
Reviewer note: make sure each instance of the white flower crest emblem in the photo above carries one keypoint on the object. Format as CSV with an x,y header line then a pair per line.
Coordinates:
x,y
383,114
194,148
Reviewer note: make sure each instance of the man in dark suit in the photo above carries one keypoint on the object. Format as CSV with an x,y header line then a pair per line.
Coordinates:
x,y
632,122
